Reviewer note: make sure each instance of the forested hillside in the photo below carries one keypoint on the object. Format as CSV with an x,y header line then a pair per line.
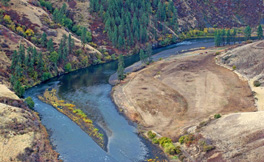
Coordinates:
x,y
42,39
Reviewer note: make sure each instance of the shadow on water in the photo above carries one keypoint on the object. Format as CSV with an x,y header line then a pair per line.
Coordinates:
x,y
89,89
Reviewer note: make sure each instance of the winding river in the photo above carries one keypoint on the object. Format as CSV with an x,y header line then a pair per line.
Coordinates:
x,y
89,89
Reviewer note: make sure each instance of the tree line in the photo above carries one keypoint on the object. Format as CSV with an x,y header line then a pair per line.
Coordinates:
x,y
225,37
129,22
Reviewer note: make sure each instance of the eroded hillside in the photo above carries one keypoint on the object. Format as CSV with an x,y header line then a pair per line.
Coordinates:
x,y
22,136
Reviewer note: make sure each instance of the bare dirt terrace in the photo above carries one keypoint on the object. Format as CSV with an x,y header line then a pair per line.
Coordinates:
x,y
172,95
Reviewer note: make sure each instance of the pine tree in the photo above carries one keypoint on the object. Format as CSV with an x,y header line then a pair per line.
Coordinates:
x,y
234,35
260,32
21,54
70,44
149,53
223,36
228,37
247,33
217,39
50,46
83,36
120,70
142,56
14,60
44,39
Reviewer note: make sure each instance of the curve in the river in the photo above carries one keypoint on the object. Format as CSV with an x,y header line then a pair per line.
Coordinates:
x,y
89,90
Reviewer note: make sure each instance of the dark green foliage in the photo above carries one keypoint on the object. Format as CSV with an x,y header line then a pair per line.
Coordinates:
x,y
68,67
234,35
44,40
256,83
247,33
5,2
260,32
217,38
18,88
127,22
46,76
30,102
25,67
46,4
228,37
149,53
120,70
143,57
50,45
54,57
217,116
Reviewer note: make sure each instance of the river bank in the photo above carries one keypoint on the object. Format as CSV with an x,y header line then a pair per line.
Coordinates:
x,y
89,90
157,96
23,137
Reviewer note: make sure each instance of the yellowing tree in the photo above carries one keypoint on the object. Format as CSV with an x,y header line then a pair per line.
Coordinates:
x,y
20,30
7,19
29,32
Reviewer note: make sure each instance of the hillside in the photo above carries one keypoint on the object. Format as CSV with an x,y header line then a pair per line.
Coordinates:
x,y
22,137
248,62
171,95
207,105
94,40
43,39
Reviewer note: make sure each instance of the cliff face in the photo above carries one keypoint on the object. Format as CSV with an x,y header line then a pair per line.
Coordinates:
x,y
220,13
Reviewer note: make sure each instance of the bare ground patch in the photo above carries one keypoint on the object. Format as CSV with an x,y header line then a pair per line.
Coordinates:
x,y
171,96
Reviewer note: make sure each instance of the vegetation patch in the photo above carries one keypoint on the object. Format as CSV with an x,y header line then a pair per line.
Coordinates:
x,y
165,143
256,83
75,114
30,102
217,116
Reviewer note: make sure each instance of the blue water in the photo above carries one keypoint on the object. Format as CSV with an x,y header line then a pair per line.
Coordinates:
x,y
89,90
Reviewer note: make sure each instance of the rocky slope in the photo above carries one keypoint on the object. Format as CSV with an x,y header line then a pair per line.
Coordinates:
x,y
226,13
22,136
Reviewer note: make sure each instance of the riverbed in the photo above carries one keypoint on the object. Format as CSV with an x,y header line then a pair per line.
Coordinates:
x,y
90,91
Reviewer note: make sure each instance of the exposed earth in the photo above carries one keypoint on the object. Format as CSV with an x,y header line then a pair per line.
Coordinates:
x,y
181,94
171,95
22,136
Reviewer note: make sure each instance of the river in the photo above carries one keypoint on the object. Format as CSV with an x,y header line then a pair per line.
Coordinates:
x,y
89,89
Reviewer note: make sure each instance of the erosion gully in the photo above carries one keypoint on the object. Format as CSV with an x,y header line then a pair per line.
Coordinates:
x,y
90,91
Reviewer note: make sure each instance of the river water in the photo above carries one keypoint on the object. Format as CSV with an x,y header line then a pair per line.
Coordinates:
x,y
89,89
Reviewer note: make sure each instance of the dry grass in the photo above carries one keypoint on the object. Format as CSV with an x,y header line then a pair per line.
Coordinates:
x,y
174,94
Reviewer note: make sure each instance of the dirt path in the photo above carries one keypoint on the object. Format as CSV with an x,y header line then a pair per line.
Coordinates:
x,y
172,95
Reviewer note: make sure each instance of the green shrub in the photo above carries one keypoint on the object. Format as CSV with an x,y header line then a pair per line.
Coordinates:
x,y
30,102
217,116
169,148
186,139
68,67
181,139
217,53
234,67
155,141
256,83
151,135
46,76
207,148
164,140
